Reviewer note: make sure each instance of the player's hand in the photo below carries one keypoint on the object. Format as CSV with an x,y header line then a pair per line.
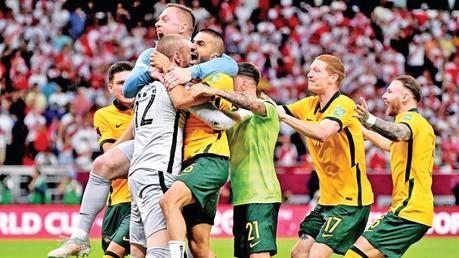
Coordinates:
x,y
176,76
265,97
361,111
156,74
281,113
200,90
280,110
159,60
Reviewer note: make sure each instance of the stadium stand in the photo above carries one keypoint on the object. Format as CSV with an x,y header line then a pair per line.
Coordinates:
x,y
54,55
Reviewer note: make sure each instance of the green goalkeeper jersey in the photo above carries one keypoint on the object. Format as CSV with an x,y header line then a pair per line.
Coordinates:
x,y
252,142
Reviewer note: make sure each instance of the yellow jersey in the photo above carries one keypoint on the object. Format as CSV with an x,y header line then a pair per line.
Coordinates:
x,y
110,122
339,161
411,163
200,139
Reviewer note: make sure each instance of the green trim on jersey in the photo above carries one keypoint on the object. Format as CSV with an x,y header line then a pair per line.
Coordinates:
x,y
252,143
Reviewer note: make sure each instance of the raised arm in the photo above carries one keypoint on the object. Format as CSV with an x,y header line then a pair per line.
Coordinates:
x,y
223,64
139,76
392,131
178,75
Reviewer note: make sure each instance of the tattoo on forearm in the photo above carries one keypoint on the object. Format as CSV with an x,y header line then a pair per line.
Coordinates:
x,y
243,101
391,131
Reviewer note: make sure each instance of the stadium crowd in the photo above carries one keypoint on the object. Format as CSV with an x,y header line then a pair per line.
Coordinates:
x,y
54,55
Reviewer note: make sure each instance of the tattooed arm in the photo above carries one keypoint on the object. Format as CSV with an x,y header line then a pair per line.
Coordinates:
x,y
392,131
238,99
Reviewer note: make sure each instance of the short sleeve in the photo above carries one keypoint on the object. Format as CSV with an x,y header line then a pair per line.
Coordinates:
x,y
409,120
104,132
298,109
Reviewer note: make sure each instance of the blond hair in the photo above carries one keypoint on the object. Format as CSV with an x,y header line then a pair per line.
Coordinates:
x,y
334,66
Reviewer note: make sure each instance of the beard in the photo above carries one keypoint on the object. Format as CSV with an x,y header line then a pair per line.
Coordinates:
x,y
392,109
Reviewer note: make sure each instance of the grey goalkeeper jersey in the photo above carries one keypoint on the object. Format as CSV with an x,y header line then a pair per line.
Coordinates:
x,y
158,131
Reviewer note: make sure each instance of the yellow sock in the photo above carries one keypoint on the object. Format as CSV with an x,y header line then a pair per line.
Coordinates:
x,y
109,254
353,254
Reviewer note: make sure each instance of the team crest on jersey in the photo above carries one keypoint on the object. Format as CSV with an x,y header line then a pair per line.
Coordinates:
x,y
407,117
339,112
214,78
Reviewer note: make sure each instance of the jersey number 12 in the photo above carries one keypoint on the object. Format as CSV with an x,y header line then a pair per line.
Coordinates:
x,y
144,120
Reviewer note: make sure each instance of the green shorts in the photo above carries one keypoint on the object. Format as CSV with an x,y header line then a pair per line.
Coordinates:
x,y
392,235
204,177
254,228
336,226
115,226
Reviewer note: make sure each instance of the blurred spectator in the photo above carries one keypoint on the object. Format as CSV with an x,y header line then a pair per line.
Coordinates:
x,y
77,21
35,122
199,12
71,189
16,149
57,52
65,150
286,152
84,142
45,158
38,189
6,126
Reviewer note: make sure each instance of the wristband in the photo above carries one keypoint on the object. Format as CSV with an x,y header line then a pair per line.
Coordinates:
x,y
371,120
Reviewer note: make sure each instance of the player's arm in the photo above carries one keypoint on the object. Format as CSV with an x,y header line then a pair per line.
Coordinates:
x,y
178,75
217,119
392,131
139,76
320,132
377,139
223,64
238,99
182,99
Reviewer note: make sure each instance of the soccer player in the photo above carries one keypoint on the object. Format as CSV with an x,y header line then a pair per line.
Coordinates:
x,y
157,158
175,19
110,122
205,165
335,142
256,189
411,143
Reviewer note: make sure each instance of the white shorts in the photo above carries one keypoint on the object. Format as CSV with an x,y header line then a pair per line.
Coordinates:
x,y
147,187
136,232
127,148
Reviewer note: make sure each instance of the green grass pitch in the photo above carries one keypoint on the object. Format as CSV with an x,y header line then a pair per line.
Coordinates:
x,y
428,247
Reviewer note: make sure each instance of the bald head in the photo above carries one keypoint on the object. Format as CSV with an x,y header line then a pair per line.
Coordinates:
x,y
176,48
